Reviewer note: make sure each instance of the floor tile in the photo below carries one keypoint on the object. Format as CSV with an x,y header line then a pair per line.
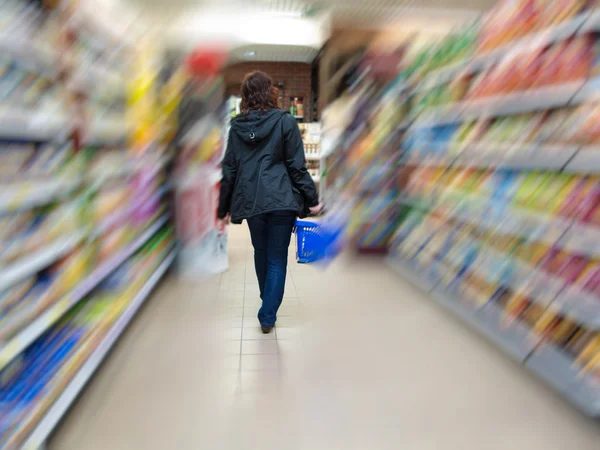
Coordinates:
x,y
260,362
417,379
260,347
253,333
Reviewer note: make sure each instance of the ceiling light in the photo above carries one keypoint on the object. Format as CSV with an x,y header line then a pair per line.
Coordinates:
x,y
250,53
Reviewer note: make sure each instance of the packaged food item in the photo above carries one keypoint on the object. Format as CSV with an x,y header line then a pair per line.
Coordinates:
x,y
26,308
13,295
576,61
590,207
13,224
556,11
108,200
530,186
584,123
552,193
573,268
549,65
590,278
555,260
574,204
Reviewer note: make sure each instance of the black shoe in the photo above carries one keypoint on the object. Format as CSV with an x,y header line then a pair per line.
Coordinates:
x,y
265,329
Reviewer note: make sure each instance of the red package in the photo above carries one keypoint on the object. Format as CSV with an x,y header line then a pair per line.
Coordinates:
x,y
575,198
588,211
591,279
573,268
549,69
576,60
555,260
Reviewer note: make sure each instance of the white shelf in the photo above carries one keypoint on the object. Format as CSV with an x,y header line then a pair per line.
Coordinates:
x,y
560,371
31,332
56,412
312,157
19,123
516,156
36,261
538,99
28,52
514,340
586,160
531,100
584,307
31,194
546,361
107,130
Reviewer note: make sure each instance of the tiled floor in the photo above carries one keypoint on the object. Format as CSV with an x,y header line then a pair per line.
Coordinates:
x,y
359,360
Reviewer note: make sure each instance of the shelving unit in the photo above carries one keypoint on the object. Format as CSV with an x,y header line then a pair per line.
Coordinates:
x,y
59,408
312,149
543,359
500,228
85,237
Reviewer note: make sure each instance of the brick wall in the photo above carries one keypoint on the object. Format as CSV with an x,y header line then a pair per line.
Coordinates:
x,y
296,79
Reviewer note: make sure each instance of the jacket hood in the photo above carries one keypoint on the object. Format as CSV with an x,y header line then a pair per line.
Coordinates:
x,y
256,125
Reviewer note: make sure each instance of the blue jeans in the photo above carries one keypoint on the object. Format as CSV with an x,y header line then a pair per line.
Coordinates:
x,y
271,235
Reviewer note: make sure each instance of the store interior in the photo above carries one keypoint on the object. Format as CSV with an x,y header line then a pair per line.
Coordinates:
x,y
454,147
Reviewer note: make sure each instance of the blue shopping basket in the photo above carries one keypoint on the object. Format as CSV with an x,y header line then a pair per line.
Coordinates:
x,y
316,241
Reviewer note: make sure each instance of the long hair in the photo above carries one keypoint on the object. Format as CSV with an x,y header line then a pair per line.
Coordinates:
x,y
258,93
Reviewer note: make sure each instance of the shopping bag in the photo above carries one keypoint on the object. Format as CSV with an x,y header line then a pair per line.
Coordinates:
x,y
203,251
205,258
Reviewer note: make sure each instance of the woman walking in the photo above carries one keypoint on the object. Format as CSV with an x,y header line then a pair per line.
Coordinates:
x,y
265,181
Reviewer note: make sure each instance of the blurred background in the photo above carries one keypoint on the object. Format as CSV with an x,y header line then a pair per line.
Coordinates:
x,y
460,138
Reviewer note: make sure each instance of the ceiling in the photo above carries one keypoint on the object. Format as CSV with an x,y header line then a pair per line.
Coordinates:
x,y
289,30
281,53
357,9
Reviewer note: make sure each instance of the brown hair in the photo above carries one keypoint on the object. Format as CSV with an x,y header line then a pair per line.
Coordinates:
x,y
258,93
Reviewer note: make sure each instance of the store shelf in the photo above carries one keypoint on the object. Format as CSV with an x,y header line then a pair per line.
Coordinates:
x,y
559,370
586,160
312,157
592,22
38,260
105,131
531,100
59,408
34,125
516,156
27,195
28,52
405,269
44,321
589,90
583,307
514,339
582,239
521,102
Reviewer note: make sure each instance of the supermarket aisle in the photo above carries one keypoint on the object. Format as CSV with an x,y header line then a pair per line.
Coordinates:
x,y
359,360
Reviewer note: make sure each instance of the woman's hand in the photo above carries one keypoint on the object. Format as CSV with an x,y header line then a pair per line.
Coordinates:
x,y
316,210
222,224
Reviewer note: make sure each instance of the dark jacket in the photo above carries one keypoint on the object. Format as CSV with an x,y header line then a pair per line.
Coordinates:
x,y
264,168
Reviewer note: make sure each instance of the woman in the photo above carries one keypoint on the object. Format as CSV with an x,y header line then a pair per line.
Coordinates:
x,y
265,181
